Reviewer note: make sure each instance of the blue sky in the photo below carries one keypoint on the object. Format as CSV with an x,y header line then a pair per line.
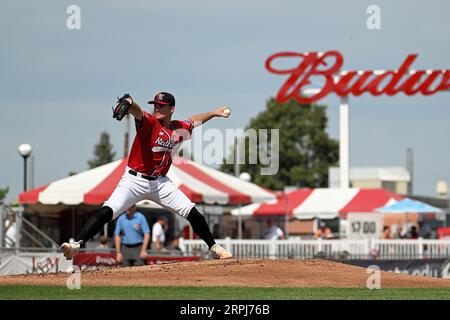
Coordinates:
x,y
58,85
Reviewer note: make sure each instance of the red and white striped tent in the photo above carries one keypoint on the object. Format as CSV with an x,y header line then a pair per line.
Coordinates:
x,y
321,203
200,183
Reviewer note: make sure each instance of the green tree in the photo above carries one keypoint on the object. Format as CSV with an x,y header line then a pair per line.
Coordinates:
x,y
306,150
103,152
3,193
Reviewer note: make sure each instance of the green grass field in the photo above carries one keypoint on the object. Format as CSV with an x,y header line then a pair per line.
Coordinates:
x,y
216,293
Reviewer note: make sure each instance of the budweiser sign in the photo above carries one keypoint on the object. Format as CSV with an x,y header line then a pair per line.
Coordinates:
x,y
327,68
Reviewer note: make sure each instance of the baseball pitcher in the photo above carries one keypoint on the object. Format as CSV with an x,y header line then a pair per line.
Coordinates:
x,y
148,163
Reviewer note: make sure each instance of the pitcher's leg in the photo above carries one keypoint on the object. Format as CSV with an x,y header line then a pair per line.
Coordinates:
x,y
90,229
200,227
120,200
170,197
128,192
94,225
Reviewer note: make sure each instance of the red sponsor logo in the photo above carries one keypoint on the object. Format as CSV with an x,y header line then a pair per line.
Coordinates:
x,y
327,68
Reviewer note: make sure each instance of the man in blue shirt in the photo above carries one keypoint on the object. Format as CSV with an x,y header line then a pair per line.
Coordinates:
x,y
132,236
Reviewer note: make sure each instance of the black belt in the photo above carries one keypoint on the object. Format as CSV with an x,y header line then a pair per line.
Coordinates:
x,y
132,245
135,173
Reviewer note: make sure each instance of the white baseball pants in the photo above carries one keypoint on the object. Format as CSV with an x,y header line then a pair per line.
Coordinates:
x,y
132,189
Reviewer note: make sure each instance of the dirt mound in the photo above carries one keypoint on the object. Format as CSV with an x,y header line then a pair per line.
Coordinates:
x,y
235,272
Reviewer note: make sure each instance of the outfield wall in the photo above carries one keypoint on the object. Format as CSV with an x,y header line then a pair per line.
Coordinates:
x,y
49,262
438,268
33,262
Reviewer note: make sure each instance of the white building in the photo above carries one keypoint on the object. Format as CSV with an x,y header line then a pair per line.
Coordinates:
x,y
396,179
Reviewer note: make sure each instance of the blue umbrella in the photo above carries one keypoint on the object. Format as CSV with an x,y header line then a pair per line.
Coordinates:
x,y
408,205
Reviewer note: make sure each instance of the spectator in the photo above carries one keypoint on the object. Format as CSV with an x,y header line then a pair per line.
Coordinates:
x,y
159,233
10,230
413,233
425,230
399,231
273,232
103,243
175,242
387,235
323,232
132,236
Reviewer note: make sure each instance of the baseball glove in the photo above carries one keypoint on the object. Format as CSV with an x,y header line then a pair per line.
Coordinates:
x,y
123,107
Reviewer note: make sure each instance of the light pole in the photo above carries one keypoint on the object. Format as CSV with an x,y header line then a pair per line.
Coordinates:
x,y
25,151
245,176
344,138
344,143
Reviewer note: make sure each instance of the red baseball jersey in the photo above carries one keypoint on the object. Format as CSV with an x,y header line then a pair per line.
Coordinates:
x,y
153,144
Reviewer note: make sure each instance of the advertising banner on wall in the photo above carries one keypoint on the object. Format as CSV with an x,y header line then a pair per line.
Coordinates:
x,y
27,263
438,268
93,260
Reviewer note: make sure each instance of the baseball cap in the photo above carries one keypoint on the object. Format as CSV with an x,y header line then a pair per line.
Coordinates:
x,y
164,98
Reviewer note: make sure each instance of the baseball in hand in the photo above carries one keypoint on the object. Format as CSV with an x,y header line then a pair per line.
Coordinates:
x,y
227,112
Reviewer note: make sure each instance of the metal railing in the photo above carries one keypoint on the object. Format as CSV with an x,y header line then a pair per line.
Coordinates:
x,y
334,249
24,229
50,241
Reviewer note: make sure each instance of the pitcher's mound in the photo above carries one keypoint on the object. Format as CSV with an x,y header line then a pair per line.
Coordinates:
x,y
234,272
